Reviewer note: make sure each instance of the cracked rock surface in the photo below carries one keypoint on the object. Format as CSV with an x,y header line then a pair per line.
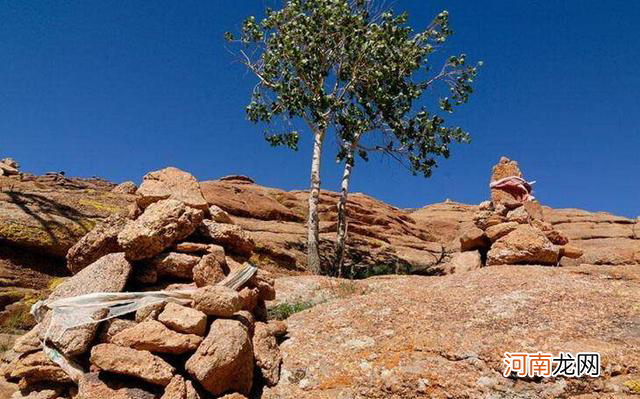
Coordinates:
x,y
414,336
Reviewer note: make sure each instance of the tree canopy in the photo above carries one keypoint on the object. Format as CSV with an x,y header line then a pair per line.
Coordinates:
x,y
337,63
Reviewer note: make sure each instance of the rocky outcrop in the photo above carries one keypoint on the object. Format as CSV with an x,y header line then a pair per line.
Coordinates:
x,y
450,336
49,217
161,350
382,239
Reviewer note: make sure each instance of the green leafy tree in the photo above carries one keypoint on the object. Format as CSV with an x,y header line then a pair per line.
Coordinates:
x,y
339,65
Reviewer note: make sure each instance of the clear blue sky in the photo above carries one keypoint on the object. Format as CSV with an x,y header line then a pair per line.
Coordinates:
x,y
119,88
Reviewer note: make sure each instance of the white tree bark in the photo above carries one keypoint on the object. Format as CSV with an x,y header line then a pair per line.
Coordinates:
x,y
313,236
342,214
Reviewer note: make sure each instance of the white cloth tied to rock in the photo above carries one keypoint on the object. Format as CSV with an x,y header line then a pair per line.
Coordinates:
x,y
81,310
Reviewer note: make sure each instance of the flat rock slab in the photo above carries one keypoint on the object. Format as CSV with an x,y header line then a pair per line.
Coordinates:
x,y
183,319
413,336
155,337
132,362
107,274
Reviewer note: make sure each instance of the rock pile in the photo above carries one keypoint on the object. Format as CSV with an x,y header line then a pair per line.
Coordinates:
x,y
510,229
207,341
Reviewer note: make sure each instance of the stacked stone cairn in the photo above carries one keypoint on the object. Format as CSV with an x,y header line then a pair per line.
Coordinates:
x,y
510,229
217,343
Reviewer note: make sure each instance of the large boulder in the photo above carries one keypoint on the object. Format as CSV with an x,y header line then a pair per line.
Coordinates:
x,y
36,367
462,262
170,183
127,187
210,270
173,264
230,236
100,241
160,226
183,319
107,274
132,362
224,361
525,244
155,337
473,238
217,300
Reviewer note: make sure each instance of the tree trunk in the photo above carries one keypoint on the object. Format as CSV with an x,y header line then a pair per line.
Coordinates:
x,y
313,236
342,213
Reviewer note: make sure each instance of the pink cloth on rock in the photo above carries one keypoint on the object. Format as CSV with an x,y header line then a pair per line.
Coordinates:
x,y
519,188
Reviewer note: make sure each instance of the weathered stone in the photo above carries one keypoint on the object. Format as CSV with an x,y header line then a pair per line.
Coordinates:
x,y
550,232
249,297
35,367
107,274
449,339
155,337
149,312
192,392
170,183
39,392
500,230
92,386
192,247
127,187
571,252
230,236
462,262
132,362
486,219
224,360
29,342
100,241
473,238
485,206
219,215
217,300
160,226
534,210
176,389
265,285
524,245
267,354
246,318
519,215
174,264
209,270
277,328
183,319
112,327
